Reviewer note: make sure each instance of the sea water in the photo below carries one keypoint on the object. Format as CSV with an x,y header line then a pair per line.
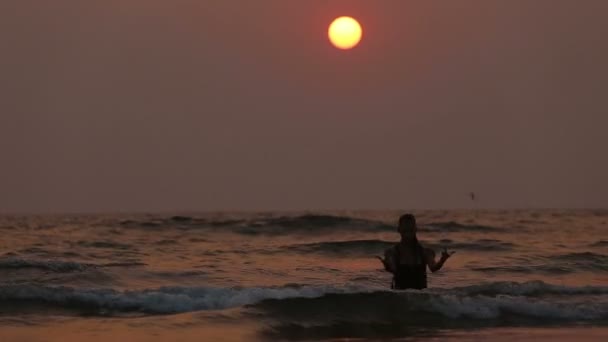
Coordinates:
x,y
516,275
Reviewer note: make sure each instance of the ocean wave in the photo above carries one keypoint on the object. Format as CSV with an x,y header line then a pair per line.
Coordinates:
x,y
310,223
481,245
485,301
366,247
530,288
527,269
458,227
178,274
166,300
552,264
583,257
390,314
60,266
406,305
127,263
296,223
181,218
343,247
104,244
582,261
50,265
183,222
385,314
305,221
166,242
264,225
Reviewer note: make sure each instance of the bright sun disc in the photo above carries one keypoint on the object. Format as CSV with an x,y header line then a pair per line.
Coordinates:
x,y
345,33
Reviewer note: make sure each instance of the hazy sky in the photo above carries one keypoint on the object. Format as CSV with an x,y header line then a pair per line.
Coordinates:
x,y
145,105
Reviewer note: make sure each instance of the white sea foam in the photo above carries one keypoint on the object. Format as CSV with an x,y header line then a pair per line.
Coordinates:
x,y
450,303
163,300
483,307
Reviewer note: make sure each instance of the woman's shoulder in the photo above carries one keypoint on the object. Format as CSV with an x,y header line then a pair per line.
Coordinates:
x,y
392,249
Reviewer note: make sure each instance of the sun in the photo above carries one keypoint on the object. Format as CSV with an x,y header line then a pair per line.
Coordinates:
x,y
345,33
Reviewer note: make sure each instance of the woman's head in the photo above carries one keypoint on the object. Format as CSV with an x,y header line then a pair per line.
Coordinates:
x,y
407,226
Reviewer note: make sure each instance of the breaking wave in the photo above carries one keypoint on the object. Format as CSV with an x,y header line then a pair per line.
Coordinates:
x,y
534,300
166,300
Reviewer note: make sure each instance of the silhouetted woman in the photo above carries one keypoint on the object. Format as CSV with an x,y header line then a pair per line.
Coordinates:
x,y
408,259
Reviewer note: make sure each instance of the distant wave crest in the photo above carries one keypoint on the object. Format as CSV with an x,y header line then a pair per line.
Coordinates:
x,y
600,243
343,247
366,247
246,223
265,225
274,225
60,266
459,227
50,265
554,264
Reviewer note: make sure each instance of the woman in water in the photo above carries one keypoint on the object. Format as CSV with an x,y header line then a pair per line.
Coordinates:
x,y
407,260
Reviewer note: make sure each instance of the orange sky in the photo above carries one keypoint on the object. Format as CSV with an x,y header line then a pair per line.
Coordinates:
x,y
207,105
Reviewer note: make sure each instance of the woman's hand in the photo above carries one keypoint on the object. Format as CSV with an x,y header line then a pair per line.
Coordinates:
x,y
445,255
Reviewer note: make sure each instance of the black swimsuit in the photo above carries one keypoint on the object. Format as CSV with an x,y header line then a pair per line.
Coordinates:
x,y
410,276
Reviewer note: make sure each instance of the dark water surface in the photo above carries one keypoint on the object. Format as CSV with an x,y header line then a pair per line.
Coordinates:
x,y
301,276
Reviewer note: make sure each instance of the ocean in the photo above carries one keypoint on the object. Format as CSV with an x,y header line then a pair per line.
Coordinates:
x,y
301,276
